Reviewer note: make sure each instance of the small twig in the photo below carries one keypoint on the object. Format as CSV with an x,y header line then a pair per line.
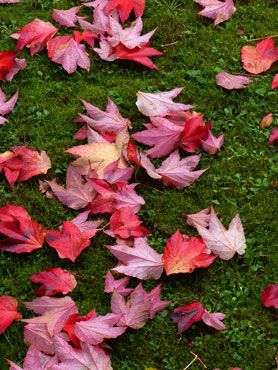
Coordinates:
x,y
199,359
108,223
170,44
261,38
150,187
194,359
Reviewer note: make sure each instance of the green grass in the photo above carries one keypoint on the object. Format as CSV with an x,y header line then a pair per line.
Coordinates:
x,y
240,179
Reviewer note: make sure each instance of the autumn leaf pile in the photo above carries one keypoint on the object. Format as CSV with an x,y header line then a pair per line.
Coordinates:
x,y
99,182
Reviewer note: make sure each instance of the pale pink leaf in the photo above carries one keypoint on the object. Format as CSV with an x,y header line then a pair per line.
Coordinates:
x,y
212,143
141,261
66,18
7,107
219,11
156,304
214,320
85,358
230,82
200,218
160,104
35,360
273,136
119,285
179,172
97,329
224,243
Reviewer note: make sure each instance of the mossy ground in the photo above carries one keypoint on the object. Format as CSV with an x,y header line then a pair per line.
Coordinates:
x,y
240,179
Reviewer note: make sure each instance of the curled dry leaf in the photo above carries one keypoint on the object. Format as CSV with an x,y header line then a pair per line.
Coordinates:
x,y
266,121
230,82
8,311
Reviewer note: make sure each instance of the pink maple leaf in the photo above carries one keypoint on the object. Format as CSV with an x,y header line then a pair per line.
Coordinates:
x,y
86,357
186,315
223,243
54,280
230,82
65,50
200,218
69,242
34,35
219,11
214,320
77,194
183,254
35,359
141,261
119,285
90,228
66,18
156,304
22,234
54,312
6,107
274,84
8,311
259,58
179,172
97,329
195,130
212,143
160,104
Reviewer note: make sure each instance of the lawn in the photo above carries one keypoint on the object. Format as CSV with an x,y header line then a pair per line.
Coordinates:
x,y
241,178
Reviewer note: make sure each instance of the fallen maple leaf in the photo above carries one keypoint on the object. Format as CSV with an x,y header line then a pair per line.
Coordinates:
x,y
269,296
139,55
141,261
54,312
6,107
10,65
35,359
273,136
20,163
88,228
65,50
266,121
130,37
200,218
125,224
9,1
230,82
125,7
156,304
119,285
87,358
8,311
22,234
38,336
186,315
214,320
69,242
77,194
223,243
66,18
219,11
87,36
195,130
54,280
160,104
179,172
183,254
108,121
259,58
274,84
34,35
97,329
212,143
